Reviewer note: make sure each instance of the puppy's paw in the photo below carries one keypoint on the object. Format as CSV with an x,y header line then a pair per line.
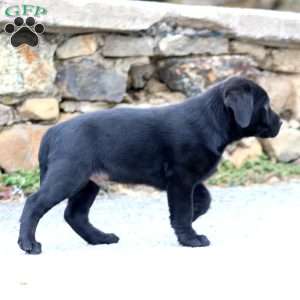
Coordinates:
x,y
30,247
193,241
104,238
204,240
111,238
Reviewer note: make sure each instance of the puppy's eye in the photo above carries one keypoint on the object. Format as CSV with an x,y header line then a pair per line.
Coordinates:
x,y
266,107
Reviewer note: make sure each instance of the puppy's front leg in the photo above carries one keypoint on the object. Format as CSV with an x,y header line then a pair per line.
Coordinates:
x,y
180,201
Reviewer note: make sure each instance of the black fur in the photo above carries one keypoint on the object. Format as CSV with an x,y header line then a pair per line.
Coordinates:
x,y
173,148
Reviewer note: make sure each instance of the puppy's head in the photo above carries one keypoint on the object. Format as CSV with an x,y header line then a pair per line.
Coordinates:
x,y
250,108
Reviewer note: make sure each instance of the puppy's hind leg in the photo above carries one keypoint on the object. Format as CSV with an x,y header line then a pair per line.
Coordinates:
x,y
76,215
58,184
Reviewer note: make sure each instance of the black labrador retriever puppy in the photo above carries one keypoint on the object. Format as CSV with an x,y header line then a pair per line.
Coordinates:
x,y
173,148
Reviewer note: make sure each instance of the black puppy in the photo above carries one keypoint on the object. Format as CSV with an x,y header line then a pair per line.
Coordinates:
x,y
173,148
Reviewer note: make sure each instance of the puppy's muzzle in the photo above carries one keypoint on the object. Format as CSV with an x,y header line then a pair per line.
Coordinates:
x,y
273,130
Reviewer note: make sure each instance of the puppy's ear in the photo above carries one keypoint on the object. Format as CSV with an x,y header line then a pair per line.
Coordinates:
x,y
241,102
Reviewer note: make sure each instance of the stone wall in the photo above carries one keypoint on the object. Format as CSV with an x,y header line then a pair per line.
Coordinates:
x,y
287,5
144,54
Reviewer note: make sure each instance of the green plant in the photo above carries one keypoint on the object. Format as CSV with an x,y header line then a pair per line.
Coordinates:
x,y
254,171
28,181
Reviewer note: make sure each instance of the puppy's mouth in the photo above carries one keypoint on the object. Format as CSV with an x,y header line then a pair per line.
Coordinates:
x,y
272,132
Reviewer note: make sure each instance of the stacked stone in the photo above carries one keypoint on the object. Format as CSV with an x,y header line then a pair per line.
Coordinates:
x,y
69,74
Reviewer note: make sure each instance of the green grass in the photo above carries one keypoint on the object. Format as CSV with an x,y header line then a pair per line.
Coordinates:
x,y
28,181
255,171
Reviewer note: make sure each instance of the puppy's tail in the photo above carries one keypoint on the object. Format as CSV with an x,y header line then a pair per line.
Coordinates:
x,y
43,154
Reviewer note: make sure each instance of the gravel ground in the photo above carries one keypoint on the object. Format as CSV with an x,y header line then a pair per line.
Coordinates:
x,y
254,253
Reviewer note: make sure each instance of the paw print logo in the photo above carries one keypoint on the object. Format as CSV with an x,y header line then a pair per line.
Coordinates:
x,y
24,32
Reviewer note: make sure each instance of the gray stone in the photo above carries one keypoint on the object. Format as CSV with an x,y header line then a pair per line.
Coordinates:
x,y
281,92
23,143
81,45
280,147
285,60
284,92
135,105
247,149
40,109
154,86
265,4
160,98
193,75
128,16
10,100
67,116
140,74
180,45
294,124
69,106
87,80
123,65
126,46
164,98
25,69
83,106
296,109
7,115
258,52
